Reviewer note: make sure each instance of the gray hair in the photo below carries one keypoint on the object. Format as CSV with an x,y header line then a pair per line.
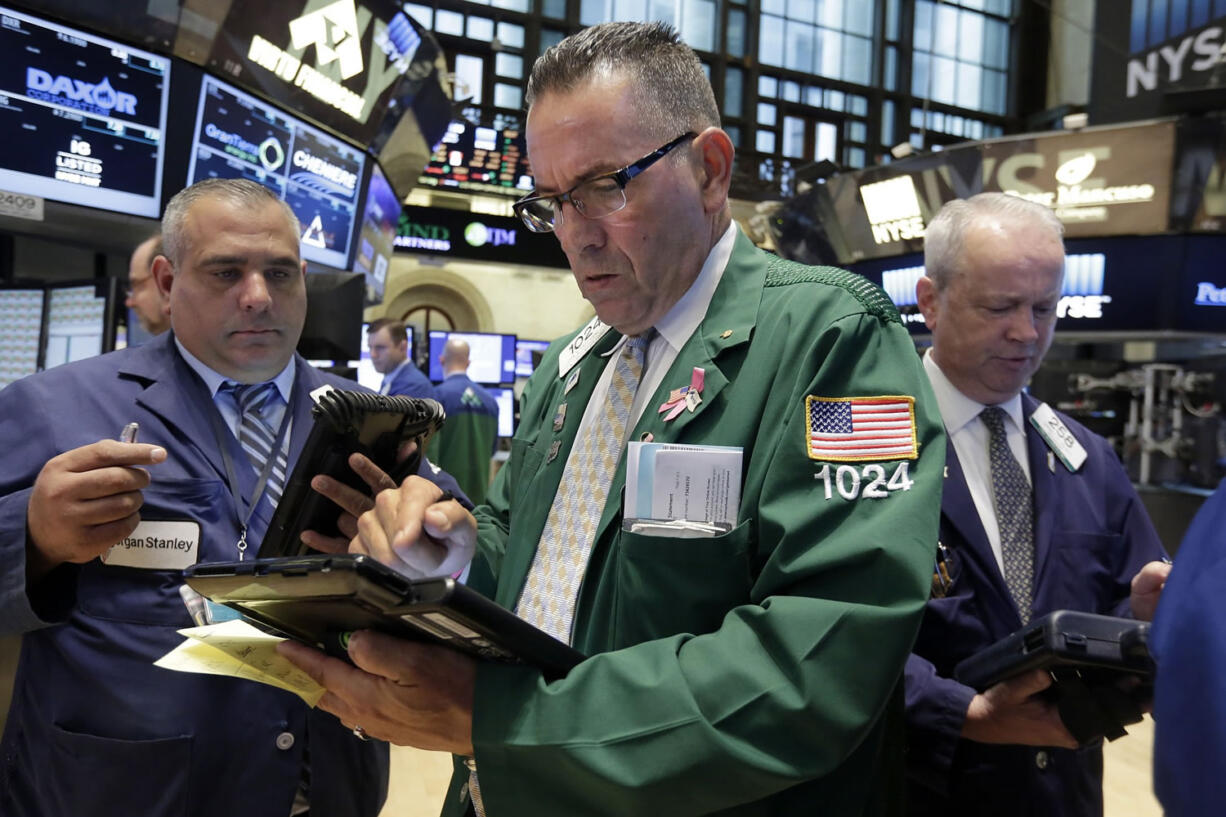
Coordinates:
x,y
242,193
943,236
672,91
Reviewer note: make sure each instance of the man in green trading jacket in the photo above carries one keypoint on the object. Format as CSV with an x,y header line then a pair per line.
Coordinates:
x,y
465,444
751,672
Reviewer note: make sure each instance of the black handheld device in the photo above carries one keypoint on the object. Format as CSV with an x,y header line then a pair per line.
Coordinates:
x,y
346,422
320,599
1100,666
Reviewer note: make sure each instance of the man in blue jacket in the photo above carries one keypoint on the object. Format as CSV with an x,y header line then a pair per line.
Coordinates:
x,y
94,533
1189,643
388,341
1037,515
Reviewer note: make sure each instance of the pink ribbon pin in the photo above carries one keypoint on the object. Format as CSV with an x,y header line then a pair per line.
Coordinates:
x,y
677,402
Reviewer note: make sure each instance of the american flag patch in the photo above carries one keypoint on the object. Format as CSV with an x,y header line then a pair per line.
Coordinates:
x,y
853,429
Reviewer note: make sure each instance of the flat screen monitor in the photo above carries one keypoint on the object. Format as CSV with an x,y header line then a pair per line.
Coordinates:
x,y
527,353
76,325
83,117
505,397
377,234
480,160
21,327
333,327
239,136
491,356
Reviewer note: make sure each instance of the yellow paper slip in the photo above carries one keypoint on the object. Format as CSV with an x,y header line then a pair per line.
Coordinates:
x,y
237,649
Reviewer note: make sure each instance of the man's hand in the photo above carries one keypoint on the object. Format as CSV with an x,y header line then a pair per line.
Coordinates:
x,y
1009,712
84,501
411,530
1147,589
353,503
404,692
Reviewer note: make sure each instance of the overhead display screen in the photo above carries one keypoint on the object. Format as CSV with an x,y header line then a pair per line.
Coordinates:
x,y
491,357
239,136
377,235
482,160
83,117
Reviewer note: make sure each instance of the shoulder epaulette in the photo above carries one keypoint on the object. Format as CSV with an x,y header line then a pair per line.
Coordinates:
x,y
780,272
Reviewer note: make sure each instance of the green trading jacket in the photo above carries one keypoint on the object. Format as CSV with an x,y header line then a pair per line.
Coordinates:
x,y
745,674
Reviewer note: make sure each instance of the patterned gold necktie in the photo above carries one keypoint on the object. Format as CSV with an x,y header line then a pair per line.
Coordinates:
x,y
550,591
1013,500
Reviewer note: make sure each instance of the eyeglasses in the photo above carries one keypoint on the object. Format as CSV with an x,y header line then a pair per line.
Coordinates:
x,y
594,198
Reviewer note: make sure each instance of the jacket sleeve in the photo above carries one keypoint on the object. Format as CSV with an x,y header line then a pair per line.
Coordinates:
x,y
789,686
936,711
1126,515
24,437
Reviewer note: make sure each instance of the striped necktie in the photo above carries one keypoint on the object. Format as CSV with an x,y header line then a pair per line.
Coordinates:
x,y
551,589
256,434
1013,500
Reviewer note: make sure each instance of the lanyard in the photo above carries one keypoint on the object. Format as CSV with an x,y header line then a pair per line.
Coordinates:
x,y
220,432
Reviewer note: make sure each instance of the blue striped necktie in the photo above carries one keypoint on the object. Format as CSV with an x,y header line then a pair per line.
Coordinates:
x,y
256,434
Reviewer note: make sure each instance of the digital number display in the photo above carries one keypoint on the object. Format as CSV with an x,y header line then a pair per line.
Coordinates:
x,y
480,160
83,117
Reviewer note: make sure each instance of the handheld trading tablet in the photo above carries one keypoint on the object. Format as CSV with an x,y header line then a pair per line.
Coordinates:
x,y
320,599
1100,668
346,422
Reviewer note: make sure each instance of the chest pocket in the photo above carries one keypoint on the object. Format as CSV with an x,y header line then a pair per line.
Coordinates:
x,y
667,585
140,596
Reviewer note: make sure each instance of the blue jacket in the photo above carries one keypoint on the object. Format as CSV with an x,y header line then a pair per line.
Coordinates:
x,y
94,727
410,382
1091,537
1188,641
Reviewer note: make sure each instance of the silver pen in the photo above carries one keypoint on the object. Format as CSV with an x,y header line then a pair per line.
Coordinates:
x,y
128,435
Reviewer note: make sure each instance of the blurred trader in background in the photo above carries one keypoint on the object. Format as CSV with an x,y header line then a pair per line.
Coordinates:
x,y
1027,526
754,669
94,532
466,442
144,299
388,341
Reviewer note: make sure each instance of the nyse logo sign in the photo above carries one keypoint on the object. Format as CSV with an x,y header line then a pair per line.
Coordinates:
x,y
893,210
1170,63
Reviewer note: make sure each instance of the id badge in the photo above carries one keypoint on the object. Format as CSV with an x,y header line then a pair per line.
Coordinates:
x,y
157,545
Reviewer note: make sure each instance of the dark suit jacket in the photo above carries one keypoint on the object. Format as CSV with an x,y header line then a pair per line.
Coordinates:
x,y
410,382
94,727
1091,536
1188,641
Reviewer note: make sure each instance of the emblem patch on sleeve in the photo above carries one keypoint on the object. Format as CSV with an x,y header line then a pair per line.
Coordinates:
x,y
856,429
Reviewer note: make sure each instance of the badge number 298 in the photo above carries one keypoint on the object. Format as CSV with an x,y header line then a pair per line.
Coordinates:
x,y
866,482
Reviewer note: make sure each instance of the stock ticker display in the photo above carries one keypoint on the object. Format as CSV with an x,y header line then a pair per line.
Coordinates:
x,y
481,160
83,117
319,176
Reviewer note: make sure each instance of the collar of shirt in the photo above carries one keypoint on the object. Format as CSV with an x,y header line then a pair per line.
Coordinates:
x,y
958,410
215,380
672,331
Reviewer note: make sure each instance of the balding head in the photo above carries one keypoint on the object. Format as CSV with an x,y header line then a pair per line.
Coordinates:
x,y
455,356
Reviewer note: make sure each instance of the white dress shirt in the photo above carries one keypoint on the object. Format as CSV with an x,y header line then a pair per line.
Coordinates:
x,y
970,439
